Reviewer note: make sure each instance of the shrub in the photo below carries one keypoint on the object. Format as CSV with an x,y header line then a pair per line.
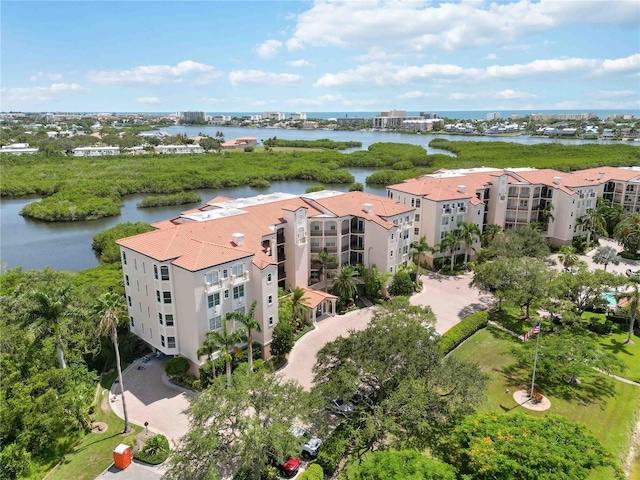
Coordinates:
x,y
314,472
463,330
601,327
334,448
177,367
317,188
401,284
155,450
629,255
282,340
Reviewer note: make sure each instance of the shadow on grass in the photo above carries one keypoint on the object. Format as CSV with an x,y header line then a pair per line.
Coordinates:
x,y
615,346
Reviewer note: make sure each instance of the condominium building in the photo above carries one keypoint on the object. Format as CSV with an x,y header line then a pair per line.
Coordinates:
x,y
513,198
184,277
297,116
192,116
95,151
278,116
179,149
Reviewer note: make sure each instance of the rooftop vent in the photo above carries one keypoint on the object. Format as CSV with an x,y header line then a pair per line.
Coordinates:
x,y
462,188
601,175
238,239
556,180
367,207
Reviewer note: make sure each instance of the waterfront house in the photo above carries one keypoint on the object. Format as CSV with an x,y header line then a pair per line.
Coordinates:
x,y
95,151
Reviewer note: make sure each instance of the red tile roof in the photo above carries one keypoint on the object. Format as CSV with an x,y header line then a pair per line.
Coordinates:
x,y
313,298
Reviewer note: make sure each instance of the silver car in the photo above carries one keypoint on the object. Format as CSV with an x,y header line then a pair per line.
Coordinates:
x,y
340,406
309,443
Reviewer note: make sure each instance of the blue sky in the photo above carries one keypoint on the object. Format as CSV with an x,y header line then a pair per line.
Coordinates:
x,y
319,56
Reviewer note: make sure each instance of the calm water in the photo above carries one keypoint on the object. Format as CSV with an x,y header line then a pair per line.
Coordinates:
x,y
67,246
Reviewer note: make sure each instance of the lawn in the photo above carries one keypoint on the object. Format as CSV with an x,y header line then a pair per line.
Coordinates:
x,y
629,353
94,453
608,407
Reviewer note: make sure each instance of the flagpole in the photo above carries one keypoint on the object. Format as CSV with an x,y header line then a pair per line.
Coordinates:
x,y
535,362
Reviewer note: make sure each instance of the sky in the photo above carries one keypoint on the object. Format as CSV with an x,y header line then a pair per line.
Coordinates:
x,y
317,56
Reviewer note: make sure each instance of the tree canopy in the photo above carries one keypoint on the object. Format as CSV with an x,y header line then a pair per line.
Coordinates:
x,y
401,465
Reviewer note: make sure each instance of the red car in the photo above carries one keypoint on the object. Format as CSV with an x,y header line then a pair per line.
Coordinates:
x,y
288,468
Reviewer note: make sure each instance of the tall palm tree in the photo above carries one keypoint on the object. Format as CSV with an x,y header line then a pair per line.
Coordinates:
x,y
325,261
208,348
345,282
545,215
298,307
418,249
605,256
627,232
450,243
250,324
594,222
50,315
489,233
469,234
226,340
568,256
634,306
111,307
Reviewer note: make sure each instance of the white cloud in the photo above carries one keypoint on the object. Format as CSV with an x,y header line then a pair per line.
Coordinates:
x,y
299,63
47,76
511,95
394,25
209,100
269,48
463,96
507,94
414,94
491,56
389,74
321,101
615,93
149,100
150,74
248,77
33,95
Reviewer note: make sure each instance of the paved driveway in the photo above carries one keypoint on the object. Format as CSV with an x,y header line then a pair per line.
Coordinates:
x,y
150,400
451,299
591,265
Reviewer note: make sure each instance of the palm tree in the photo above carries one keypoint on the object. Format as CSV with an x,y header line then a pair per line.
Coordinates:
x,y
545,215
606,255
594,222
345,281
634,306
110,307
298,307
568,256
325,261
627,232
226,341
249,324
450,243
50,315
469,233
418,249
208,348
489,234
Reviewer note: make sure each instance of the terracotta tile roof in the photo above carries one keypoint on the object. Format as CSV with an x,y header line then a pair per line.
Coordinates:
x,y
199,255
546,176
443,187
610,173
352,203
313,298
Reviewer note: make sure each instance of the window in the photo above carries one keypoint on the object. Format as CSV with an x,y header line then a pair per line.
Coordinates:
x,y
413,202
124,258
226,294
132,325
416,231
160,318
162,340
315,242
144,270
155,272
158,295
417,217
445,221
129,299
391,254
215,323
405,249
238,292
270,300
330,242
271,321
171,342
164,273
225,273
135,263
168,319
392,236
269,278
166,297
459,219
417,203
406,234
524,192
126,279
238,270
214,300
239,310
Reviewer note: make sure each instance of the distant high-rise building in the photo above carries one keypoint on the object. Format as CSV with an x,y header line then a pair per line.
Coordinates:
x,y
192,116
494,116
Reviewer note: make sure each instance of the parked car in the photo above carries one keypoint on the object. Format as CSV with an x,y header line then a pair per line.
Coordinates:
x,y
633,273
309,443
287,467
342,407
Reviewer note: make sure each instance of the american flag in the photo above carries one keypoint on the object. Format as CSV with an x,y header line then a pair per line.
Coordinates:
x,y
534,331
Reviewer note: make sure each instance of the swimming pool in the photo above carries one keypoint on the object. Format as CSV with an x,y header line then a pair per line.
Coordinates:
x,y
610,297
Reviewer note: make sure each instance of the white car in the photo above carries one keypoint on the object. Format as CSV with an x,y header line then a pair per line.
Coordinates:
x,y
340,406
309,443
633,273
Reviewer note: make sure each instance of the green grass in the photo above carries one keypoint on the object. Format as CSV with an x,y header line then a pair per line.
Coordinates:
x,y
629,353
608,407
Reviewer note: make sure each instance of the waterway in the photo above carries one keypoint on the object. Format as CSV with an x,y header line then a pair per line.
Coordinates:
x,y
67,246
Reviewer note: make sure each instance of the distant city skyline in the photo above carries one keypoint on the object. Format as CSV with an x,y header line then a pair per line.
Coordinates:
x,y
320,56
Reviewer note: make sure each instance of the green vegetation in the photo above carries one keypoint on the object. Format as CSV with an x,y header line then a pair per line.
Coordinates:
x,y
104,243
313,472
155,450
398,465
335,447
181,198
320,143
461,331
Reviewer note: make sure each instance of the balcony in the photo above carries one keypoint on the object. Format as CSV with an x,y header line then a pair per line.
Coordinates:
x,y
281,257
213,286
330,233
333,249
281,272
236,279
356,246
316,233
280,237
345,231
316,248
345,247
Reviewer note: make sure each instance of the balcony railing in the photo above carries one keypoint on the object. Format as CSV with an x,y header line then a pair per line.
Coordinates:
x,y
330,233
316,233
345,231
333,249
243,277
345,247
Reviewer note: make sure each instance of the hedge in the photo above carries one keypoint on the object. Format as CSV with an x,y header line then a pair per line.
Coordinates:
x,y
314,472
463,330
334,448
